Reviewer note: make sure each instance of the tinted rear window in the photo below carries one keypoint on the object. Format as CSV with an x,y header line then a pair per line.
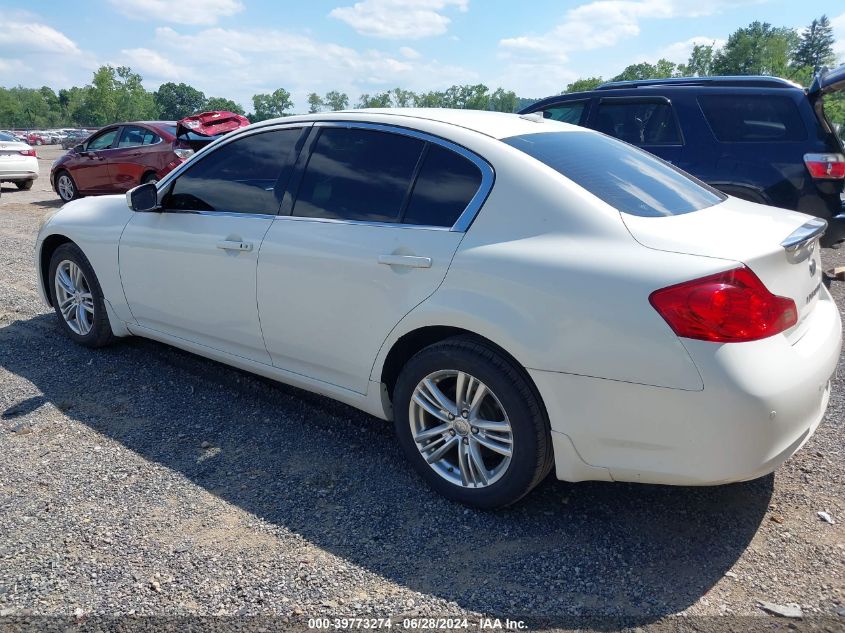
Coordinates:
x,y
627,178
753,118
444,188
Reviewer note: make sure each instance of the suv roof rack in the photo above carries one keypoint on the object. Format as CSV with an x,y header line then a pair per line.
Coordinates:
x,y
751,81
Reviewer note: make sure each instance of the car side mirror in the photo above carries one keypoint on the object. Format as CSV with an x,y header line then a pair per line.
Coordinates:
x,y
79,149
143,198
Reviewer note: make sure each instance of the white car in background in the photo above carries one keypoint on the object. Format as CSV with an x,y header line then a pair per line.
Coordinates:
x,y
518,295
18,162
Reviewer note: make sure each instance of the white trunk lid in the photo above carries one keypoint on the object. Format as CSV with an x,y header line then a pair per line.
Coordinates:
x,y
756,235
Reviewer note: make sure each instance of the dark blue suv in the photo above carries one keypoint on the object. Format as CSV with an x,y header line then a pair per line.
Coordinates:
x,y
762,139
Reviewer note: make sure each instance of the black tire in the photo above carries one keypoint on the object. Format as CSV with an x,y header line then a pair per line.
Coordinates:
x,y
100,333
149,177
75,191
532,456
24,185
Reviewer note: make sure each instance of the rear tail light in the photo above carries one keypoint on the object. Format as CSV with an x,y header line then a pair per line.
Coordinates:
x,y
825,166
183,153
28,152
729,307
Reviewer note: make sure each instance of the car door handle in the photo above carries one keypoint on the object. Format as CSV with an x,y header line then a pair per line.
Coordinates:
x,y
232,245
409,261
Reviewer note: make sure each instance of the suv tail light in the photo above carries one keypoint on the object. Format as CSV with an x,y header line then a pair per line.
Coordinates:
x,y
28,152
729,307
825,166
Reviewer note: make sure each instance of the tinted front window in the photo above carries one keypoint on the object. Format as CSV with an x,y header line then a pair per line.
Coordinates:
x,y
133,136
625,177
445,186
753,118
358,174
639,122
103,141
238,177
566,112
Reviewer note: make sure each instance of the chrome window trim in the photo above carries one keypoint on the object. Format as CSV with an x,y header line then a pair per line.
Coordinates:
x,y
392,225
465,219
224,140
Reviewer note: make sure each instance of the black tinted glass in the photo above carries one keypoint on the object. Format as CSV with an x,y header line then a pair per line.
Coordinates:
x,y
133,136
358,175
753,118
639,123
566,112
103,141
625,177
446,184
238,177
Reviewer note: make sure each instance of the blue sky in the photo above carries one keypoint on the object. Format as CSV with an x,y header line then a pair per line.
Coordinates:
x,y
236,48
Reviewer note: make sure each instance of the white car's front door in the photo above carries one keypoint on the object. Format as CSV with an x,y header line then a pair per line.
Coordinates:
x,y
368,230
189,271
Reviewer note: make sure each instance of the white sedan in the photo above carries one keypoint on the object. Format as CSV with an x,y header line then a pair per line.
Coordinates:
x,y
18,162
517,295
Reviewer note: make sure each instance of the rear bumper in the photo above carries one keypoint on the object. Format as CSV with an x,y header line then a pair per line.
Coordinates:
x,y
760,403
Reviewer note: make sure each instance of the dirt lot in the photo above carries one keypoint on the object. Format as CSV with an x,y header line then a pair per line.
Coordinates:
x,y
143,480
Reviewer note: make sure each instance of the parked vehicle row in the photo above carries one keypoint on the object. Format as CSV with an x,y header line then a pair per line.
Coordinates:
x,y
121,156
518,295
761,139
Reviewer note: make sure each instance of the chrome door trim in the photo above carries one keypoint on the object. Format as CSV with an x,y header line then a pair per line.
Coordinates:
x,y
392,225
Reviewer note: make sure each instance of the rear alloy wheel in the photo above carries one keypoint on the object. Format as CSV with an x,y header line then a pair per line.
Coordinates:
x,y
24,185
66,187
78,298
471,424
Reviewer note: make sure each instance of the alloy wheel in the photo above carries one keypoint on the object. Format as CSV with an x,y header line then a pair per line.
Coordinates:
x,y
461,428
65,186
74,298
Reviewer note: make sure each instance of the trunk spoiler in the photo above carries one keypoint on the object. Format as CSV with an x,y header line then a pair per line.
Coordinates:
x,y
826,82
804,234
210,124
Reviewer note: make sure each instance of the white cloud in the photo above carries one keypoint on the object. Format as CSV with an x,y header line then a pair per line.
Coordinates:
x,y
202,12
409,53
152,65
399,19
838,24
32,37
604,23
261,60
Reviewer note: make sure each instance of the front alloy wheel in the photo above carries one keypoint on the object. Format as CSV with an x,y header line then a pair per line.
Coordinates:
x,y
461,428
66,187
74,298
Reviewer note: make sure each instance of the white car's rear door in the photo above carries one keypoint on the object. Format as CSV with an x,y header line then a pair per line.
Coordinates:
x,y
189,271
369,227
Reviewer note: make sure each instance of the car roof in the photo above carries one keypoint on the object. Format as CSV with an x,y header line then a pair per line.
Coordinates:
x,y
493,124
737,81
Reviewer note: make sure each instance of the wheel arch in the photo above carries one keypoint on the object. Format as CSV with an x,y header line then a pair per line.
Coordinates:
x,y
48,247
415,340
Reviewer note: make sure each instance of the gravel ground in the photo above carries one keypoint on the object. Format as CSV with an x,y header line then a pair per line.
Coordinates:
x,y
142,480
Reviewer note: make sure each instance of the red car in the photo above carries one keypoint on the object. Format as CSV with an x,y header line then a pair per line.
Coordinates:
x,y
124,155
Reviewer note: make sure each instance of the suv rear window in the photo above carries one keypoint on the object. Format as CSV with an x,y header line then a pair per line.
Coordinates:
x,y
753,118
629,179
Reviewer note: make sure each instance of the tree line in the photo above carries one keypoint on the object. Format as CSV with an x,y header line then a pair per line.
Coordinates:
x,y
118,94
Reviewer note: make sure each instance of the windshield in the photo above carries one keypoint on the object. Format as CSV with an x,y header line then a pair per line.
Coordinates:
x,y
629,179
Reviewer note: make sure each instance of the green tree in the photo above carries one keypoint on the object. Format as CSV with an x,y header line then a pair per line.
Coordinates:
x,y
336,100
815,48
272,105
504,100
175,101
432,99
584,84
700,62
315,103
220,103
403,98
758,49
380,100
116,94
663,68
469,97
